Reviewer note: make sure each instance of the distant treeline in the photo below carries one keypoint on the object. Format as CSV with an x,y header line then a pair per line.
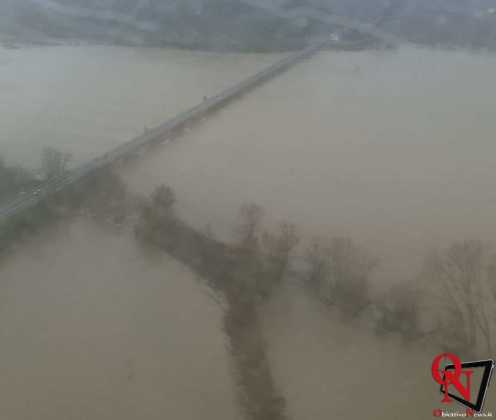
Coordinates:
x,y
236,25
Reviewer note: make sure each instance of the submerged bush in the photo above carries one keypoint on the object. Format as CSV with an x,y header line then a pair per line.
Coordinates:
x,y
276,253
102,195
318,278
14,179
249,228
398,312
339,273
54,163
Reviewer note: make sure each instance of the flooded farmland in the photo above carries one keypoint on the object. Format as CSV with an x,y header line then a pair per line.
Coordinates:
x,y
381,146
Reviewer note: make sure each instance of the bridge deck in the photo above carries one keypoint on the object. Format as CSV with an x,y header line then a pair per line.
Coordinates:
x,y
155,135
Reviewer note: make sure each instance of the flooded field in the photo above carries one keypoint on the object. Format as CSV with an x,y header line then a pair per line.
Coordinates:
x,y
87,100
391,148
116,334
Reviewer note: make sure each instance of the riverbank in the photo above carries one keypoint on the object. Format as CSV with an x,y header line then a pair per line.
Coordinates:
x,y
15,43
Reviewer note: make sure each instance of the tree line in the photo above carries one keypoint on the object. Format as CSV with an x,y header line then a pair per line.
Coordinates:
x,y
452,303
452,300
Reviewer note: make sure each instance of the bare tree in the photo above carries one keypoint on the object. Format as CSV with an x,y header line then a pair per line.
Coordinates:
x,y
157,221
164,198
278,246
318,259
398,312
54,163
340,273
351,268
13,179
251,216
276,252
460,281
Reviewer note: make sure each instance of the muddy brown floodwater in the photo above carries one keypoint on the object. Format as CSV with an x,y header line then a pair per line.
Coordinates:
x,y
87,100
392,148
93,328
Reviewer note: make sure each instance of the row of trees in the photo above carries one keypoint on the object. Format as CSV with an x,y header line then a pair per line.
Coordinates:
x,y
452,303
243,276
15,179
339,272
453,300
101,195
459,294
250,271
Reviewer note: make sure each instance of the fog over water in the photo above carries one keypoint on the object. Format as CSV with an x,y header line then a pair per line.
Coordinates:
x,y
87,100
92,327
392,148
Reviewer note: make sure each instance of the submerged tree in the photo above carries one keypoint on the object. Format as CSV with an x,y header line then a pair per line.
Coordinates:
x,y
351,269
157,220
398,312
318,259
54,163
248,231
340,271
260,262
277,249
235,272
461,285
13,179
164,198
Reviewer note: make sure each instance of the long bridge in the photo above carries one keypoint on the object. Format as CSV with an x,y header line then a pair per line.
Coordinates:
x,y
171,127
156,135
